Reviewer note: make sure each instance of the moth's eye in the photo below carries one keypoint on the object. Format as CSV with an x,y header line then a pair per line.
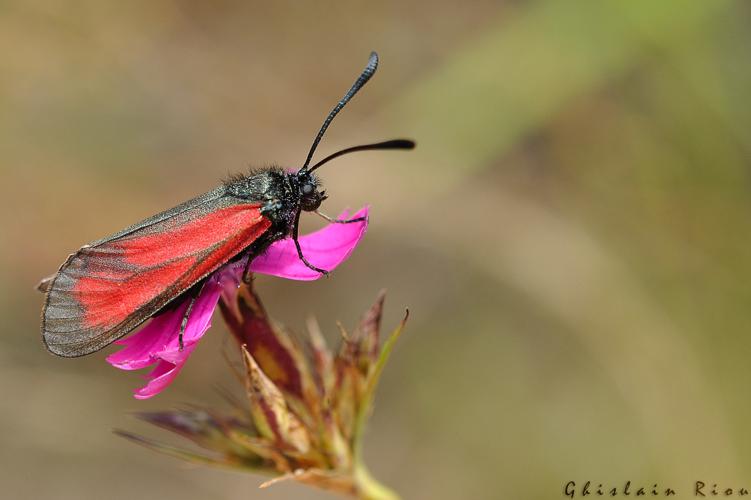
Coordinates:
x,y
308,188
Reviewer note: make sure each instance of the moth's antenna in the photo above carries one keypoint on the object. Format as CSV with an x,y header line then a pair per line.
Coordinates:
x,y
361,80
392,144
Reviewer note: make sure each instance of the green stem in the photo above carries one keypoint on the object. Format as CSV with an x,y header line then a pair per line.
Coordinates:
x,y
366,403
367,487
370,489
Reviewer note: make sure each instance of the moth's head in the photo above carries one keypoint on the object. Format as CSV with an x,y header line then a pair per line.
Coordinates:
x,y
310,195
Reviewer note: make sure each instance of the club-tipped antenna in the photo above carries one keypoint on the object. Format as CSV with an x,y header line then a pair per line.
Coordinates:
x,y
392,144
366,74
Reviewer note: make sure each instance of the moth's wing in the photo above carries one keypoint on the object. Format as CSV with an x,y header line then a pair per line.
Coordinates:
x,y
111,286
204,199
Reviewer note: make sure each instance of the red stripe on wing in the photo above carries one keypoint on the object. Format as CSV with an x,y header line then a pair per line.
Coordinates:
x,y
106,290
105,305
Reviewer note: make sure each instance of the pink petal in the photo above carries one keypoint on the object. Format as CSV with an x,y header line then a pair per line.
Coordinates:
x,y
325,248
158,342
152,338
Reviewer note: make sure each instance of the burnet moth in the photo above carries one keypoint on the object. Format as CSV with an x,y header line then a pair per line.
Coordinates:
x,y
109,287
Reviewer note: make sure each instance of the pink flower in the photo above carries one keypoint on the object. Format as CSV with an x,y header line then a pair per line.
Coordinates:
x,y
157,343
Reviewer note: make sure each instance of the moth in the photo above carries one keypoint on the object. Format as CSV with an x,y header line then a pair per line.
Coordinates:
x,y
111,286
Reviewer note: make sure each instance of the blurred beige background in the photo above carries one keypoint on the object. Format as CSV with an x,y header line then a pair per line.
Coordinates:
x,y
571,235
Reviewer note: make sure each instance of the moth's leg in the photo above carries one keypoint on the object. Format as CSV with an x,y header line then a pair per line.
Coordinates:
x,y
247,276
305,261
342,221
299,250
184,322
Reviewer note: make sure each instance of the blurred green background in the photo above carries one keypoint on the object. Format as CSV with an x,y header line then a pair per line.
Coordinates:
x,y
571,234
